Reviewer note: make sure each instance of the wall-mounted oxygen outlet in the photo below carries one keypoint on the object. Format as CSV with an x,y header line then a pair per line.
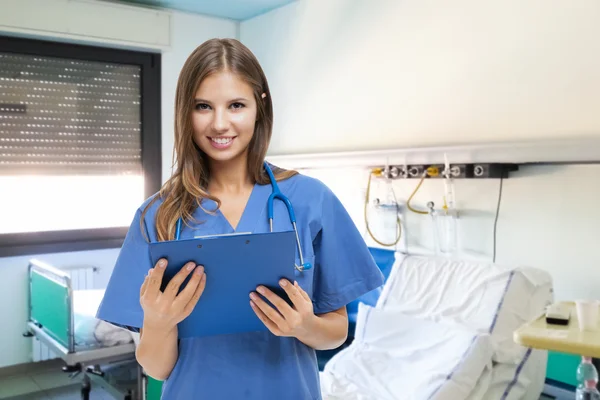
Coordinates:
x,y
415,171
493,170
395,172
459,171
478,170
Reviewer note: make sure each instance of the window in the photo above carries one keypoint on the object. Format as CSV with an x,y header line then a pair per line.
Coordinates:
x,y
79,144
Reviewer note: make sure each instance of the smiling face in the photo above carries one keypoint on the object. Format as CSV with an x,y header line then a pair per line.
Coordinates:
x,y
224,116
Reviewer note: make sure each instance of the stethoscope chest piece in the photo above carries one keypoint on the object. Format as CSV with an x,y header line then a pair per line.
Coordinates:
x,y
303,267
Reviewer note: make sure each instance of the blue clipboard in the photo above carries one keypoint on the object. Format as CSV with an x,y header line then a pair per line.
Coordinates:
x,y
235,265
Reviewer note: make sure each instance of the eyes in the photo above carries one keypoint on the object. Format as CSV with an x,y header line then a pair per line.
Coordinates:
x,y
205,107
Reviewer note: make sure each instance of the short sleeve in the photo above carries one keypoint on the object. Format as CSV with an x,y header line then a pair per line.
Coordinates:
x,y
121,302
344,266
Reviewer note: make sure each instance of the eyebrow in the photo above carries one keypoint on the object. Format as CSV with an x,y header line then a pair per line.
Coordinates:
x,y
230,101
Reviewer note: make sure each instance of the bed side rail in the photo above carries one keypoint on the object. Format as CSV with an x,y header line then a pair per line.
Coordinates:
x,y
51,302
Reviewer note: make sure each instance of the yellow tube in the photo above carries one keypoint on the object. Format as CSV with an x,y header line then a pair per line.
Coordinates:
x,y
378,172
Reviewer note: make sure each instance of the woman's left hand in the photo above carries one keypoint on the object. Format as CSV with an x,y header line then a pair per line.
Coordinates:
x,y
285,320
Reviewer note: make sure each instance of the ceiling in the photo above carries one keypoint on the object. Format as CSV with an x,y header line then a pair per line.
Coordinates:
x,y
232,9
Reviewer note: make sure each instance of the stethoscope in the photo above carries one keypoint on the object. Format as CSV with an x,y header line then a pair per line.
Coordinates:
x,y
275,194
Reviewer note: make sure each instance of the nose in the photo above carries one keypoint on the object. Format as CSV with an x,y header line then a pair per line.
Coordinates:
x,y
220,123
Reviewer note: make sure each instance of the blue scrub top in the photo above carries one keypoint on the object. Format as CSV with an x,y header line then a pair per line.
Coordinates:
x,y
256,365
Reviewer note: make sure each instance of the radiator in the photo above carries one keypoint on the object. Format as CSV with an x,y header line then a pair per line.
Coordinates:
x,y
81,278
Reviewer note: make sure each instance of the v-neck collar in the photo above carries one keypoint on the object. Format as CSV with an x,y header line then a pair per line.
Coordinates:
x,y
253,211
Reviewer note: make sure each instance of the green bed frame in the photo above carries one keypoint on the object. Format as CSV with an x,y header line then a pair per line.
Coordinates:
x,y
50,305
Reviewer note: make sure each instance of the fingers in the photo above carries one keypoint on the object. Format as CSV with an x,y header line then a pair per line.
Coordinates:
x,y
196,296
155,277
144,285
265,320
283,307
293,292
302,292
186,294
173,287
269,311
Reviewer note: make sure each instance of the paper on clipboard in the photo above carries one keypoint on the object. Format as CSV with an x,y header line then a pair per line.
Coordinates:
x,y
235,265
222,235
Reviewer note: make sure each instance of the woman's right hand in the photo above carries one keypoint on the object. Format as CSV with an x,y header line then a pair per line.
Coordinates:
x,y
164,310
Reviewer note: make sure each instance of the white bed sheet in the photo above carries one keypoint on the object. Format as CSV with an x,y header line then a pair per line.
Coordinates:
x,y
521,381
485,297
396,357
90,331
450,298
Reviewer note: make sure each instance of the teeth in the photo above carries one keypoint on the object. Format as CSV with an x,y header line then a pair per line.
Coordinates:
x,y
221,140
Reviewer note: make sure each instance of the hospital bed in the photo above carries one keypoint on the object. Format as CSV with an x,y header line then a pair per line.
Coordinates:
x,y
64,320
442,329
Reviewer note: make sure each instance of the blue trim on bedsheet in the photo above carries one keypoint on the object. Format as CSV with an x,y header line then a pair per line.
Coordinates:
x,y
462,359
517,373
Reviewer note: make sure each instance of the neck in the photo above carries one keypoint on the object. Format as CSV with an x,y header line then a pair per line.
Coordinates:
x,y
229,176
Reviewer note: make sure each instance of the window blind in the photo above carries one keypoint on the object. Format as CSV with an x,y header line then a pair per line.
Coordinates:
x,y
64,116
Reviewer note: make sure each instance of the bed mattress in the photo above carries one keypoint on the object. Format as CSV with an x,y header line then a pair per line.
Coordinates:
x,y
91,332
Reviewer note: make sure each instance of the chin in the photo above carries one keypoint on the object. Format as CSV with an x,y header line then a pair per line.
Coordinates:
x,y
224,156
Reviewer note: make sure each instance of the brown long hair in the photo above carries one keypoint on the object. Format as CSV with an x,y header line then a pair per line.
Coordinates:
x,y
186,188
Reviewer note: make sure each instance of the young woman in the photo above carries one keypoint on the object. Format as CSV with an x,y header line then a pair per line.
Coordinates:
x,y
223,125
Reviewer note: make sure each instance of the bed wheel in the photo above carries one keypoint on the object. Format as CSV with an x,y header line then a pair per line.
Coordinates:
x,y
95,370
71,368
85,391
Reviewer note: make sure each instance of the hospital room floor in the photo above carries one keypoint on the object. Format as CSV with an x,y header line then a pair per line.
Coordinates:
x,y
51,383
45,384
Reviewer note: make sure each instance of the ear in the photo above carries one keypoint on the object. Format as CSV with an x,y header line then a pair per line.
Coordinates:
x,y
264,95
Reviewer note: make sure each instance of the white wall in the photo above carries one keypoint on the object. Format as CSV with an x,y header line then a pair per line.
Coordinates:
x,y
357,74
188,31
